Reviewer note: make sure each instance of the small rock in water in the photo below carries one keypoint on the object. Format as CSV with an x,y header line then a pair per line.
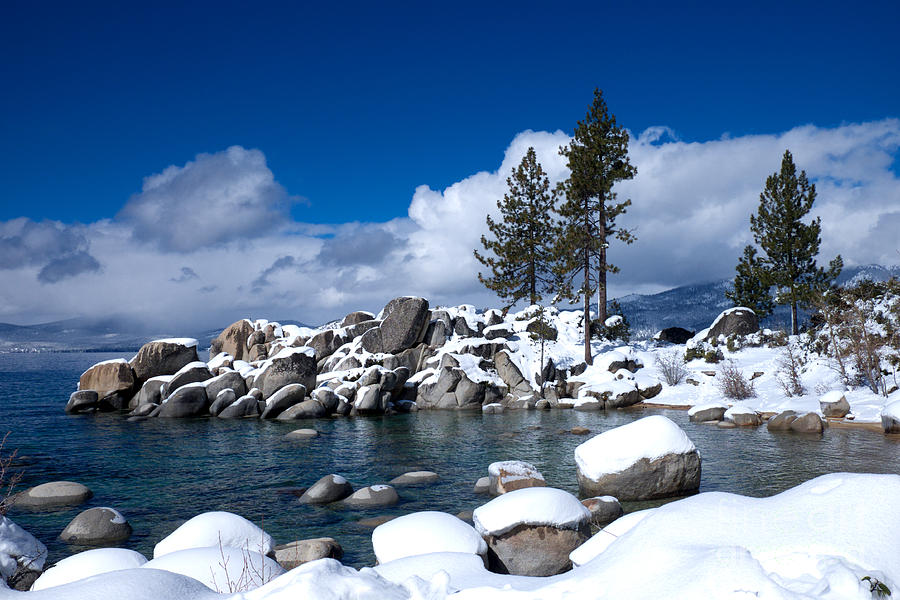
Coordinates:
x,y
96,526
374,495
465,515
415,478
726,425
376,521
330,488
509,475
52,495
302,434
297,553
604,509
578,430
483,485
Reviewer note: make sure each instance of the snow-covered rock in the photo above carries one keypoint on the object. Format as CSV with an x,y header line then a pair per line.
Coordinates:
x,y
834,404
220,568
18,549
87,564
214,529
423,533
508,475
712,411
649,458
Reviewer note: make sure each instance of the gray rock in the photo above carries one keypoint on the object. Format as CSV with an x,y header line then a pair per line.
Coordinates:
x,y
82,401
371,341
650,390
96,526
162,357
245,406
326,397
258,352
666,476
537,329
492,409
300,552
256,338
187,401
114,381
405,320
604,510
889,424
351,332
415,478
782,421
354,318
231,380
469,394
192,373
368,400
511,375
436,335
325,343
837,409
330,488
483,485
296,367
288,396
746,419
52,495
374,495
223,400
308,409
726,425
735,321
143,410
625,399
808,423
499,332
535,550
152,390
714,413
302,434
233,340
462,329
674,335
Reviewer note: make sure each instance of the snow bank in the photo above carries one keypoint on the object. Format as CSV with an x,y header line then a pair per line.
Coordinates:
x,y
18,547
223,569
461,569
215,529
600,541
423,533
186,342
615,450
530,506
130,584
892,410
87,564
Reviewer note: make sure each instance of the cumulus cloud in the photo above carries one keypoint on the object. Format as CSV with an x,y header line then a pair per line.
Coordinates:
x,y
214,199
225,216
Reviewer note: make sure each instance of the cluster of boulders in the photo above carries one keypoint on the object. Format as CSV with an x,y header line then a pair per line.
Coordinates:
x,y
408,358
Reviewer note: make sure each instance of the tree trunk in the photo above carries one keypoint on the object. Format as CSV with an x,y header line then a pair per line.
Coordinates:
x,y
588,359
794,327
601,281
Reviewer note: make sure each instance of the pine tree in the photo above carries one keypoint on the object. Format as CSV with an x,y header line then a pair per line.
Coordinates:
x,y
522,262
789,244
751,285
597,159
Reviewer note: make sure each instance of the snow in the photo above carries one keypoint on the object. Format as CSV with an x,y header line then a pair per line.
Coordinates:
x,y
423,533
186,342
892,410
832,397
514,470
130,584
222,569
600,541
738,409
111,361
615,450
219,361
613,321
287,352
87,564
197,364
462,570
214,529
18,548
530,506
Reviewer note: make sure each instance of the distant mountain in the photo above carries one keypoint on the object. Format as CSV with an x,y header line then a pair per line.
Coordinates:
x,y
112,334
696,306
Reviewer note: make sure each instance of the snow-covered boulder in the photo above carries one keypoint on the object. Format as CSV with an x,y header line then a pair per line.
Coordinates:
x,y
789,420
291,365
890,417
701,413
82,401
192,372
19,550
87,564
187,401
508,475
834,404
604,509
649,458
222,569
233,340
214,529
300,552
96,526
330,488
373,495
742,416
424,533
734,321
532,531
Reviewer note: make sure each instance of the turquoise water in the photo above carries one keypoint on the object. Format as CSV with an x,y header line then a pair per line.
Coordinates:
x,y
159,473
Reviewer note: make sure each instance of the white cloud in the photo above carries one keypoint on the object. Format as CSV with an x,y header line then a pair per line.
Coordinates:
x,y
211,241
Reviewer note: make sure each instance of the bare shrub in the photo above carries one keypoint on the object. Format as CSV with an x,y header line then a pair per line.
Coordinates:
x,y
732,383
9,479
788,372
671,366
246,576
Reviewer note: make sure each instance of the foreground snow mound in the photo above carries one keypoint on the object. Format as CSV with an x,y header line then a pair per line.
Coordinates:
x,y
530,506
18,548
423,533
223,569
214,529
130,584
462,570
87,564
615,450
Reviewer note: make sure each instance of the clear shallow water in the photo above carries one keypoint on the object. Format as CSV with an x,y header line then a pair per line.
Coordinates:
x,y
159,473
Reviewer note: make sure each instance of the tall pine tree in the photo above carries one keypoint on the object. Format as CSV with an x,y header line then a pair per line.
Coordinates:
x,y
597,159
521,249
789,244
751,285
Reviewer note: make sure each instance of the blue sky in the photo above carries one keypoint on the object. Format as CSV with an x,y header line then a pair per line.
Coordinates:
x,y
356,105
299,160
